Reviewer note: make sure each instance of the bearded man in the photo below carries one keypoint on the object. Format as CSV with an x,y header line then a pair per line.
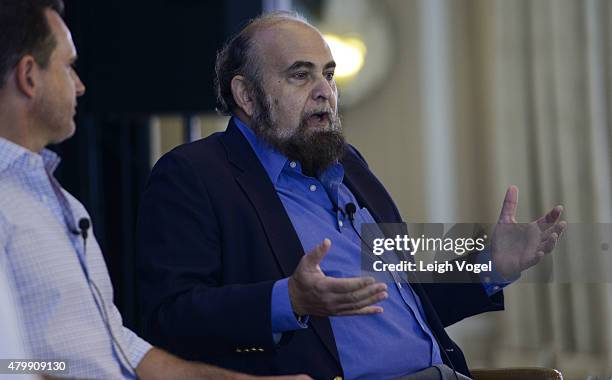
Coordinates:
x,y
225,221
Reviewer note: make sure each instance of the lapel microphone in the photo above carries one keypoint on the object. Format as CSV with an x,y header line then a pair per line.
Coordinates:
x,y
351,209
83,228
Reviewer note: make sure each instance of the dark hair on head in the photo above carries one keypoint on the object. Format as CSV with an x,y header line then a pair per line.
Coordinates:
x,y
238,57
24,30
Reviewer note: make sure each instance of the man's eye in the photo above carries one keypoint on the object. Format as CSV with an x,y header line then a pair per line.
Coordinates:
x,y
300,75
329,76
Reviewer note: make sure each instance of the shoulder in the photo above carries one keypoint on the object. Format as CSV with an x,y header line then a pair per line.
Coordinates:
x,y
201,157
197,152
353,157
77,207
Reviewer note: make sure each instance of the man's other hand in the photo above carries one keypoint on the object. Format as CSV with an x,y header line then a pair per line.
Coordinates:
x,y
157,364
313,293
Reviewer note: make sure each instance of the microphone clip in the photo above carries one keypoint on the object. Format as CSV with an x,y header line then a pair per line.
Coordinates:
x,y
83,228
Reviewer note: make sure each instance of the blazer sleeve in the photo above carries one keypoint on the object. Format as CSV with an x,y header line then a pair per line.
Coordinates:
x,y
454,302
180,262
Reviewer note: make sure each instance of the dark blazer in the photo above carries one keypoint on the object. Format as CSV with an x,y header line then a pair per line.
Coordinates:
x,y
214,237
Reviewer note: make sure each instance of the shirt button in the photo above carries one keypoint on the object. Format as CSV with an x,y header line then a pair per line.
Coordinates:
x,y
292,164
340,223
44,199
399,284
32,161
313,188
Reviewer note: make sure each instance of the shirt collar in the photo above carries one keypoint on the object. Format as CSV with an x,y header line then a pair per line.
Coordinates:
x,y
272,160
14,155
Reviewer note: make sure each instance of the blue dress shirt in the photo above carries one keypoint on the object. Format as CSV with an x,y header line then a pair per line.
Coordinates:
x,y
382,346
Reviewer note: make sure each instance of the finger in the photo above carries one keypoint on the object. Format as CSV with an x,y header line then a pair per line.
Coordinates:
x,y
548,245
314,257
344,285
368,310
551,217
508,211
362,302
360,294
533,259
557,228
562,226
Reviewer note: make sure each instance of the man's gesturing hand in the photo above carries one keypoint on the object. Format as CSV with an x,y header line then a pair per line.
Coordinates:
x,y
518,246
313,293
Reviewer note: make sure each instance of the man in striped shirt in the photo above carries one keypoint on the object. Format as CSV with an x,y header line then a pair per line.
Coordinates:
x,y
63,289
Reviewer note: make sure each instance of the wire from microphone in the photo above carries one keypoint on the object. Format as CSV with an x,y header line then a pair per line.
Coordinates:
x,y
84,225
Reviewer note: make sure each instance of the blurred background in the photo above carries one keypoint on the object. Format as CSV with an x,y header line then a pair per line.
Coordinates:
x,y
450,101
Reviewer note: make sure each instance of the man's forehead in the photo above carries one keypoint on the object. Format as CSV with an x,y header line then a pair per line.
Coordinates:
x,y
285,43
60,30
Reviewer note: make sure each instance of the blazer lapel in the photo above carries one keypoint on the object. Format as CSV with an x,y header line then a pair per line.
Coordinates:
x,y
359,179
281,235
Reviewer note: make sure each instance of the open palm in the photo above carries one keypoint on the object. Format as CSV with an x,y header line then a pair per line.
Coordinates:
x,y
518,246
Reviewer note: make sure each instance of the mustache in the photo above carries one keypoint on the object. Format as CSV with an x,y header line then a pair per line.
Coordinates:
x,y
331,114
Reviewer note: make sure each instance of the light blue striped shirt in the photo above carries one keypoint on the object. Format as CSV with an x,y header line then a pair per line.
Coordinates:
x,y
11,344
61,317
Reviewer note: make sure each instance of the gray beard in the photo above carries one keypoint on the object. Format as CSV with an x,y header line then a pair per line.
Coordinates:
x,y
315,151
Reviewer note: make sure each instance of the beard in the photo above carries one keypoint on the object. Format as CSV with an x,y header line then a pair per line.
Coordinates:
x,y
315,149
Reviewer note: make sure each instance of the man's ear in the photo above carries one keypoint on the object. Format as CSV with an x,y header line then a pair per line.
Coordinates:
x,y
27,75
242,97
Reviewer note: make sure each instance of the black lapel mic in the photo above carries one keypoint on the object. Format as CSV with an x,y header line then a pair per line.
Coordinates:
x,y
351,209
84,225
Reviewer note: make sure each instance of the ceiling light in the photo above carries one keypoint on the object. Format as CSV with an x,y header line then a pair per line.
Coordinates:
x,y
349,54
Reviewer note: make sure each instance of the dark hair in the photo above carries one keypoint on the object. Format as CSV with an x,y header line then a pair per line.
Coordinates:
x,y
238,57
24,30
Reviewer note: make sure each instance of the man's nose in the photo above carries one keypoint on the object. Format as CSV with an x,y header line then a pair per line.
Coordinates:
x,y
80,87
322,90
